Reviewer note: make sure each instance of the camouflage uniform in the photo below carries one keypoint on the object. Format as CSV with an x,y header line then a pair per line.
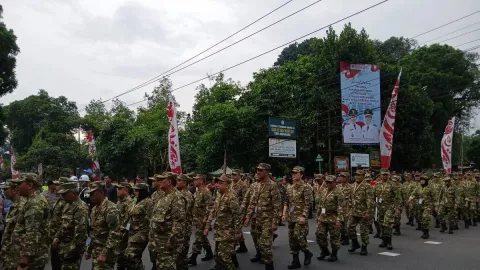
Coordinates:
x,y
228,222
106,233
471,195
71,235
449,206
345,190
239,188
387,199
298,201
139,220
425,199
123,205
166,226
265,203
360,213
31,232
399,207
10,250
407,189
330,211
437,187
253,220
182,259
201,206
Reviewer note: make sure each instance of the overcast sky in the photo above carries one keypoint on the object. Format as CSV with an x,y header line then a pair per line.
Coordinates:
x,y
96,49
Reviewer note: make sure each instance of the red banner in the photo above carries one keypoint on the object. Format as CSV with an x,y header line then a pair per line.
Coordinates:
x,y
173,141
13,160
446,146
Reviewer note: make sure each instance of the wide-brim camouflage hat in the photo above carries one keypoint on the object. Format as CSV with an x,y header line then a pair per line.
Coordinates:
x,y
360,172
236,172
141,186
264,166
224,178
199,176
95,185
368,177
395,178
7,184
61,180
384,172
22,177
424,177
298,169
330,178
409,175
343,174
66,187
123,185
318,176
183,177
447,178
436,175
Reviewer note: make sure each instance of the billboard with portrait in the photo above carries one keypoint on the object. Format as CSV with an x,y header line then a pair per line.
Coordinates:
x,y
360,91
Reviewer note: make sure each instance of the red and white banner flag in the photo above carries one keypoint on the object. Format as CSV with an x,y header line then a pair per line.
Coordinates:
x,y
13,160
388,127
446,145
92,150
173,142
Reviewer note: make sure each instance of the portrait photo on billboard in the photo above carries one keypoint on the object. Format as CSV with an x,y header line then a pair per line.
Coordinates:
x,y
360,92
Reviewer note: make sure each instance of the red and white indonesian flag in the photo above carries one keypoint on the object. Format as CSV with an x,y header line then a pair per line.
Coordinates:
x,y
447,146
173,142
13,160
388,127
92,150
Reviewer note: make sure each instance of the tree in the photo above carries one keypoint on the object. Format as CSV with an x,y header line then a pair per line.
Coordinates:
x,y
473,152
8,51
25,118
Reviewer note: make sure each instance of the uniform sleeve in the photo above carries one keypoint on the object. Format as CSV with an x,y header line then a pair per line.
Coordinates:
x,y
251,205
276,202
370,200
80,227
246,200
341,207
397,197
307,193
211,213
286,202
115,233
178,218
36,218
60,232
236,214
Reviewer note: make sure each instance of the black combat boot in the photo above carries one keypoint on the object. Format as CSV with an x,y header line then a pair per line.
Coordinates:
x,y
345,240
242,248
333,257
444,227
474,222
384,242
389,242
308,257
257,257
355,245
235,260
397,230
377,226
370,231
325,252
411,222
193,259
450,230
274,237
437,223
208,255
467,224
363,251
269,266
419,227
295,263
425,234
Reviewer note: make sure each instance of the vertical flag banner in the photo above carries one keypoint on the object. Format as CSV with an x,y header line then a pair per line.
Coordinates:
x,y
388,127
173,142
446,146
92,150
1,162
360,90
13,160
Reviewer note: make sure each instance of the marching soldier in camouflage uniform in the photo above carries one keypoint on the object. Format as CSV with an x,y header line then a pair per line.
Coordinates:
x,y
407,189
283,194
124,204
387,199
167,223
240,189
448,206
298,200
138,225
265,203
437,187
330,216
228,222
56,222
396,179
182,184
345,188
9,252
106,229
156,195
201,206
31,232
415,209
253,227
360,212
425,198
71,235
471,197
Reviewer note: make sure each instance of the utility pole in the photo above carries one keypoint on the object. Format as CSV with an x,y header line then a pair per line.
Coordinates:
x,y
225,160
329,145
461,152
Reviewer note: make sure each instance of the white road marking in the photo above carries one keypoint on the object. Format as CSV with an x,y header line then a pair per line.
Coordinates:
x,y
310,241
246,232
432,243
391,254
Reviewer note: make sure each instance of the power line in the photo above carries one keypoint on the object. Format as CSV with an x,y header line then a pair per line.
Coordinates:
x,y
472,49
450,33
271,50
210,55
467,42
461,35
441,26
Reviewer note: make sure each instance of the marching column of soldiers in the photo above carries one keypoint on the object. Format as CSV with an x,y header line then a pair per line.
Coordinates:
x,y
117,234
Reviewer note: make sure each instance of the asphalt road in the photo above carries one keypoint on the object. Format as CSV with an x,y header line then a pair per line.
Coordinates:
x,y
458,251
